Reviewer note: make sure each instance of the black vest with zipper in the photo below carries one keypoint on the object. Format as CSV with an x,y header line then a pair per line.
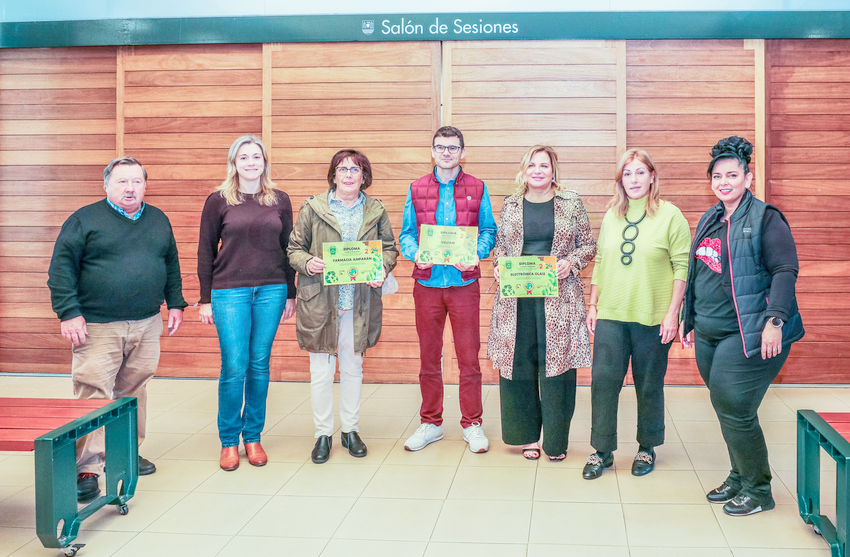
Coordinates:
x,y
751,281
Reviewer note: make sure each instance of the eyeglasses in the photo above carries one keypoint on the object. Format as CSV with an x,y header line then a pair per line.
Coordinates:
x,y
452,148
355,170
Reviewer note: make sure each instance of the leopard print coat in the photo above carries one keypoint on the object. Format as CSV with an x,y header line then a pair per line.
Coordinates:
x,y
567,339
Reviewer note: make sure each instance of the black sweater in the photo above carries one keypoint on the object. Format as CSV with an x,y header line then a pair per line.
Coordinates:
x,y
108,268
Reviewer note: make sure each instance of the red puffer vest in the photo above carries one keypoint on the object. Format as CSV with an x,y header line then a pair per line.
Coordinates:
x,y
425,195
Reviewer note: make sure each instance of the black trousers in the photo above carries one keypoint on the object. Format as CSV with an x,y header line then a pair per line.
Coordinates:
x,y
737,385
530,400
615,343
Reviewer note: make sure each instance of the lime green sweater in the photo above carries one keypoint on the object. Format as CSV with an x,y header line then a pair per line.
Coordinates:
x,y
641,292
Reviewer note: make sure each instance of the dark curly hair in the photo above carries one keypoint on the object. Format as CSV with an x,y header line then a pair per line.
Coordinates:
x,y
733,147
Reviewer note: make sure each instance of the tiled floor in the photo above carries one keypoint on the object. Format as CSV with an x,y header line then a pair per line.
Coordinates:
x,y
442,501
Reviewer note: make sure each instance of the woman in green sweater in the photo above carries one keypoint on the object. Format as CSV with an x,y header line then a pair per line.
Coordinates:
x,y
636,290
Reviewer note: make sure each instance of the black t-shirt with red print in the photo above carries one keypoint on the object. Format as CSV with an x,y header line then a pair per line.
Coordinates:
x,y
713,305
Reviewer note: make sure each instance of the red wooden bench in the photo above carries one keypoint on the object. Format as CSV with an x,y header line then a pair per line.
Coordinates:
x,y
51,428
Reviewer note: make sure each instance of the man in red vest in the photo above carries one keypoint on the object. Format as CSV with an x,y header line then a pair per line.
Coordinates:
x,y
448,197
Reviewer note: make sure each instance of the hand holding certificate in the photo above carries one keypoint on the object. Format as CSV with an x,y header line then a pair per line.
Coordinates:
x,y
448,245
352,262
528,277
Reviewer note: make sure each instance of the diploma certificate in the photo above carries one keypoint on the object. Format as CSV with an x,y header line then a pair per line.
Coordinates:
x,y
528,277
447,245
352,262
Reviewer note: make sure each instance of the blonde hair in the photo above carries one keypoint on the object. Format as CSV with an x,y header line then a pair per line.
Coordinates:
x,y
229,189
522,185
620,202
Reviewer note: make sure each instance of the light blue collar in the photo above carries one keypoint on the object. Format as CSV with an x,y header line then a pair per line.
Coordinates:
x,y
123,213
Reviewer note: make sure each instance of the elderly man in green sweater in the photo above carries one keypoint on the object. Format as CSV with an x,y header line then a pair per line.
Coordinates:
x,y
113,265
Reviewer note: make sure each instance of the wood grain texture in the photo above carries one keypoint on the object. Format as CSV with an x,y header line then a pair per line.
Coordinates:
x,y
57,131
59,81
730,107
191,78
535,73
171,61
292,55
58,127
348,74
809,107
485,56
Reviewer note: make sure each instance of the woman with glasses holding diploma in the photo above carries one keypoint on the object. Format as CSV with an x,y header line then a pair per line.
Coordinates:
x,y
339,321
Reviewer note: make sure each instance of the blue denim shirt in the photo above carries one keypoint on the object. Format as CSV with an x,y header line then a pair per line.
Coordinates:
x,y
123,213
444,276
350,220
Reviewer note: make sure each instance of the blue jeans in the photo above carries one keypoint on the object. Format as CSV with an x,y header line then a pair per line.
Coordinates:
x,y
246,320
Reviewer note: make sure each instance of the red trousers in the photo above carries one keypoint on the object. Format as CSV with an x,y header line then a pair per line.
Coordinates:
x,y
461,304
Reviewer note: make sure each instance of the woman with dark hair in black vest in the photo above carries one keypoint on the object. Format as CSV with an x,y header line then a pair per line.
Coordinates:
x,y
740,301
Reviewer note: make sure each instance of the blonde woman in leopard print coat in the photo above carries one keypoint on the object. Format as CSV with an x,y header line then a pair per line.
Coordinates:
x,y
537,343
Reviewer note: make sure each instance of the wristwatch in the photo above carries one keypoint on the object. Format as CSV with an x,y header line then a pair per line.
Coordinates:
x,y
776,322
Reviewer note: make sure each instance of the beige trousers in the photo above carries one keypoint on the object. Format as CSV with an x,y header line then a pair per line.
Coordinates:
x,y
322,368
117,360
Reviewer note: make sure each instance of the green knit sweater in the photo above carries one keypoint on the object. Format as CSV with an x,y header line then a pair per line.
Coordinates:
x,y
641,292
108,268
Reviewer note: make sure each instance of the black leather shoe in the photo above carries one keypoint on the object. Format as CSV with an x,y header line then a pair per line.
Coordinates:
x,y
594,466
146,467
322,450
744,505
87,488
721,494
644,463
356,447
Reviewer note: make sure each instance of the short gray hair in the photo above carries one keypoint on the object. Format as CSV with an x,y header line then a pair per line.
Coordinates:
x,y
122,161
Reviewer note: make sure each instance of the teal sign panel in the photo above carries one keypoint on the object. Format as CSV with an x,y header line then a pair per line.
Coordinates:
x,y
434,27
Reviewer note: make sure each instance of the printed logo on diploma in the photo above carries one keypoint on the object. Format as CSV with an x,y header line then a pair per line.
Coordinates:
x,y
352,262
528,277
447,245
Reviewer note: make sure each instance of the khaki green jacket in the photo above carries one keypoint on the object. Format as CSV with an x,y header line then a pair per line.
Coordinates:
x,y
316,316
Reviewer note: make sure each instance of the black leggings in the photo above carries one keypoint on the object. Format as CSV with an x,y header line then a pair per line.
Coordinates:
x,y
530,400
737,385
614,344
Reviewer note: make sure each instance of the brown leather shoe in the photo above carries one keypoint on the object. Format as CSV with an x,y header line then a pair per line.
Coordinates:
x,y
256,455
229,458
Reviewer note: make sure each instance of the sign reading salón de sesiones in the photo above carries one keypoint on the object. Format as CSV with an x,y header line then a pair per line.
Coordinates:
x,y
380,27
433,27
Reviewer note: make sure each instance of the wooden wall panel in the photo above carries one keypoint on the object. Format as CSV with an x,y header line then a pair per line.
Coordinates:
x,y
64,113
508,96
682,97
182,108
808,106
57,132
382,99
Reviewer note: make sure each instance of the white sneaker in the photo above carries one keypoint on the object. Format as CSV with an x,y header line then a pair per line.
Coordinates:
x,y
474,435
425,435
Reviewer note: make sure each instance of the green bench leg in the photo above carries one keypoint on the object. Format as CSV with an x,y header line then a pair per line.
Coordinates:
x,y
56,493
841,485
808,469
813,432
56,472
122,459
